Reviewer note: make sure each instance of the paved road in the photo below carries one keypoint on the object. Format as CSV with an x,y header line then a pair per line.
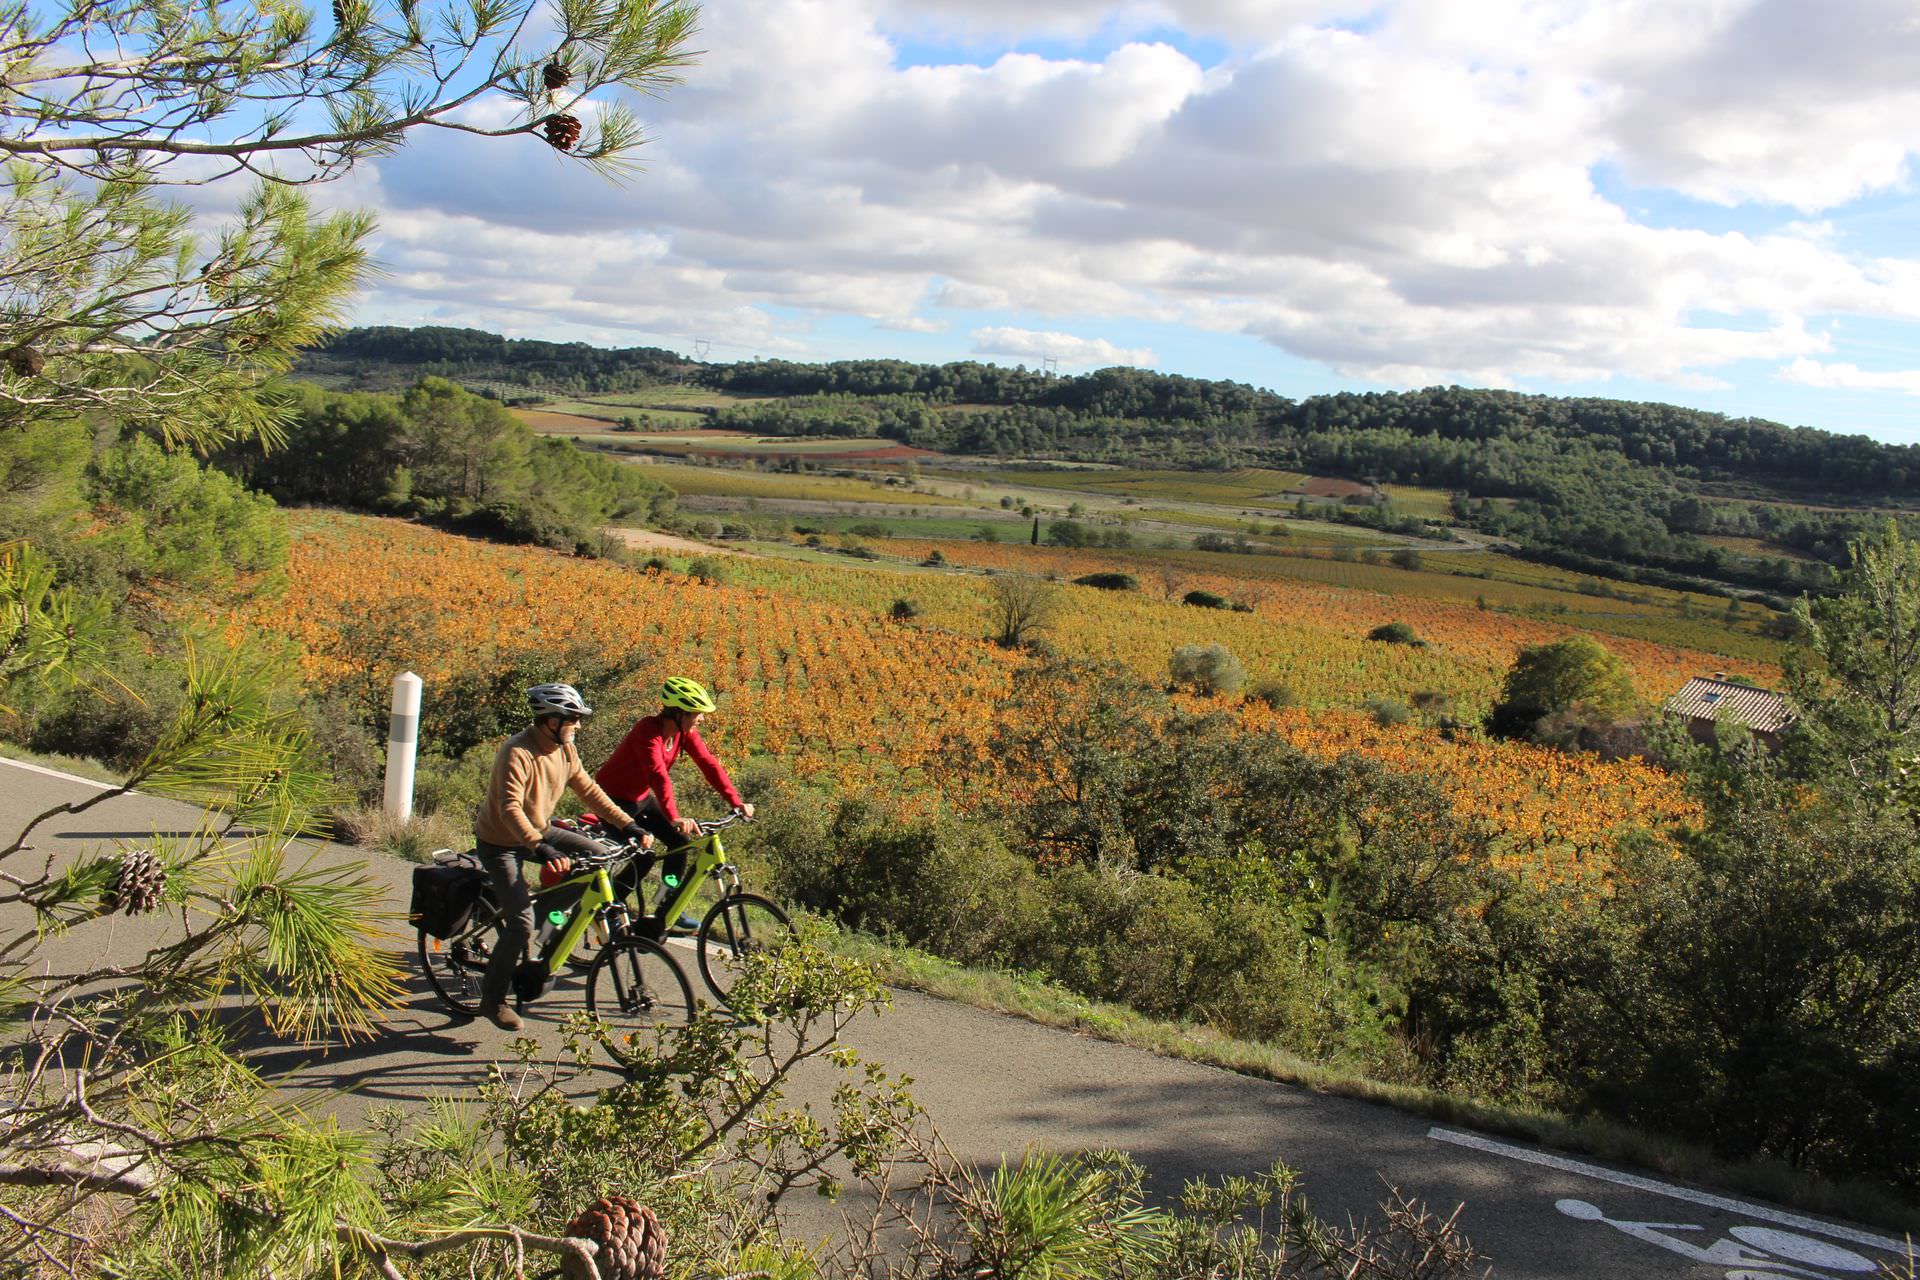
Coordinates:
x,y
997,1086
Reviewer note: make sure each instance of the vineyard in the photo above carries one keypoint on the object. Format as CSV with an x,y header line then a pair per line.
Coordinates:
x,y
815,675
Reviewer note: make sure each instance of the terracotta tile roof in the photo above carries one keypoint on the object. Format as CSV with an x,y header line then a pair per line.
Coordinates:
x,y
1710,699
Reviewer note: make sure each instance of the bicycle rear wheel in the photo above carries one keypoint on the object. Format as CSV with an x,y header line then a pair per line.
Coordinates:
x,y
635,988
454,965
738,926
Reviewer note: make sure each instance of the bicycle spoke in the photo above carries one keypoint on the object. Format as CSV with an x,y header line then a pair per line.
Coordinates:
x,y
738,927
635,988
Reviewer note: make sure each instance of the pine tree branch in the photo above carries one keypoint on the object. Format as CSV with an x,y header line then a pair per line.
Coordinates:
x,y
582,1253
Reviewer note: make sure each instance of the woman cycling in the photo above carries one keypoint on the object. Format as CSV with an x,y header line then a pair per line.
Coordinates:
x,y
636,775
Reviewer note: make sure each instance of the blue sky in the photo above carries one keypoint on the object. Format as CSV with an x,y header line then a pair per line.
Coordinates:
x,y
1707,202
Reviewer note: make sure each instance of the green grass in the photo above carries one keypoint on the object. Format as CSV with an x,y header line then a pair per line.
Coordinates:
x,y
1053,1006
79,766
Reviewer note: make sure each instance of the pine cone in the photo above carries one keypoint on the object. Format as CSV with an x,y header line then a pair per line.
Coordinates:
x,y
562,132
25,361
138,884
633,1246
557,75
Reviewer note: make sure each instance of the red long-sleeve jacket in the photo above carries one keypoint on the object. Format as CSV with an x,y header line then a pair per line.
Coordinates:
x,y
640,763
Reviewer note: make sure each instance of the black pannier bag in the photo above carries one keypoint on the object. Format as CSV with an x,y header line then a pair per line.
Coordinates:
x,y
443,897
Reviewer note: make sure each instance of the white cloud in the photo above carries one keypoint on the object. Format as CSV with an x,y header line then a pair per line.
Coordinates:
x,y
1408,199
1067,348
1849,377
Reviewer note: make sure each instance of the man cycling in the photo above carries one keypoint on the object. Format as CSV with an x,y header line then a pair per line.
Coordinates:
x,y
529,772
636,773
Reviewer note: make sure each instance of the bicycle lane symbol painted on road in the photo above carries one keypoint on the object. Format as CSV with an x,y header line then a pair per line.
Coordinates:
x,y
1748,1252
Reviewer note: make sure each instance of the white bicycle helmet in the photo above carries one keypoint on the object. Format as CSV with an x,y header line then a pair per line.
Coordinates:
x,y
557,700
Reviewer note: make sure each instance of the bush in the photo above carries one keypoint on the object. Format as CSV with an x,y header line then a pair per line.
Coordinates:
x,y
934,559
1206,600
117,722
939,882
1275,693
1396,633
1162,945
1109,581
1387,712
868,529
903,609
708,569
1206,669
1406,558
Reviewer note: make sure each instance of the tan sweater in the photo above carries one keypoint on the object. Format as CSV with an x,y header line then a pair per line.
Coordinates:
x,y
528,774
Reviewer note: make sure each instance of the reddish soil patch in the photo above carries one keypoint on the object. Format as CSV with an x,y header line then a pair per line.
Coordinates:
x,y
1328,487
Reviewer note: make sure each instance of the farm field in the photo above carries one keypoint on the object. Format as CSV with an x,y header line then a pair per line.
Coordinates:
x,y
823,449
1250,486
606,411
1754,546
817,676
797,487
1334,555
1429,504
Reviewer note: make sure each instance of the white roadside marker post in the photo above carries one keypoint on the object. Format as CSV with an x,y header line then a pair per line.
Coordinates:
x,y
403,738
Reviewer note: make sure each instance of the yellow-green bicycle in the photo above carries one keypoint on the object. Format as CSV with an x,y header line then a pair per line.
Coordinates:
x,y
634,986
737,924
634,983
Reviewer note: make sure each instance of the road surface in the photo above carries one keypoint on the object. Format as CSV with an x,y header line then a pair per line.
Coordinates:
x,y
997,1086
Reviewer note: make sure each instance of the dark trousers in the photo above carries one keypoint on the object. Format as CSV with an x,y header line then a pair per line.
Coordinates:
x,y
652,817
515,896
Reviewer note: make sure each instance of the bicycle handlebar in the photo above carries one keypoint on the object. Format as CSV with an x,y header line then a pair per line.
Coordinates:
x,y
721,824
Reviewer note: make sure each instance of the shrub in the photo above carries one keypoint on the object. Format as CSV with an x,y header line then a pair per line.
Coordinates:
x,y
1396,633
934,559
1275,693
1205,600
1387,712
1406,558
903,609
1206,669
1109,581
708,569
1546,679
868,529
117,722
941,882
1065,533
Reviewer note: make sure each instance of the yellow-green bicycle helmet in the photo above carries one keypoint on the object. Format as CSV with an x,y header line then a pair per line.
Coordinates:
x,y
685,695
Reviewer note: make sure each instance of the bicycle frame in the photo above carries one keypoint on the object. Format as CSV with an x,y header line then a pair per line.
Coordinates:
x,y
599,893
707,856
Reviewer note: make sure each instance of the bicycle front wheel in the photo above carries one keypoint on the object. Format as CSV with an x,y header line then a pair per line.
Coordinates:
x,y
454,965
738,926
635,988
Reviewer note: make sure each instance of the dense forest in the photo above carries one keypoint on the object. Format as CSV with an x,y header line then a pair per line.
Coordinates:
x,y
388,358
443,454
1617,487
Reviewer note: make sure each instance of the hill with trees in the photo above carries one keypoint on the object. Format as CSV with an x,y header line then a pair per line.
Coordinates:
x,y
1626,489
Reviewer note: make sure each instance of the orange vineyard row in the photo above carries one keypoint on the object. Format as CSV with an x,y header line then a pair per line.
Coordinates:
x,y
816,676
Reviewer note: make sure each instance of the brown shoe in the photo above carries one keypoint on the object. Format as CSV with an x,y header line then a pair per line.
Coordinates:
x,y
503,1017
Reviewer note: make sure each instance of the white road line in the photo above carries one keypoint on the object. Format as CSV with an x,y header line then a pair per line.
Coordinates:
x,y
1745,1208
55,773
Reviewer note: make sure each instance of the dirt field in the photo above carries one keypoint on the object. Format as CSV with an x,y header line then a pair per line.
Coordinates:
x,y
648,540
